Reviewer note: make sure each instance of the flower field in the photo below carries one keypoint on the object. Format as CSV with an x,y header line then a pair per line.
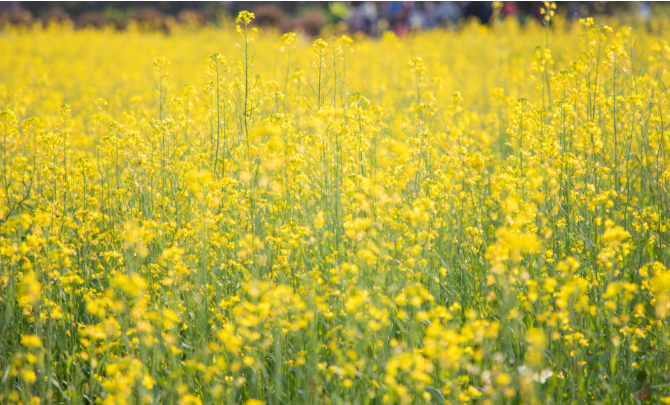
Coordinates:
x,y
225,215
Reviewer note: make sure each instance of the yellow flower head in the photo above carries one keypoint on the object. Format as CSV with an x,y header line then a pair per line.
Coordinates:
x,y
245,17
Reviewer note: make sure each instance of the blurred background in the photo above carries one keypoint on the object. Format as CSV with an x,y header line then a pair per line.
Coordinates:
x,y
308,18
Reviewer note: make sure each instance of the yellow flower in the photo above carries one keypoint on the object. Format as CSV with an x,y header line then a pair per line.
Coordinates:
x,y
148,382
31,341
28,376
245,17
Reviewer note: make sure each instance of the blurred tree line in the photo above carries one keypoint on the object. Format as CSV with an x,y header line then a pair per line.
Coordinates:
x,y
306,17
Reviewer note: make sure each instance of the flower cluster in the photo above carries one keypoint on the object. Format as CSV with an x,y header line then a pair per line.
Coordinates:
x,y
452,217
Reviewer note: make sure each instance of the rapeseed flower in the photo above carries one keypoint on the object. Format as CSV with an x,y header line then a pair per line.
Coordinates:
x,y
337,220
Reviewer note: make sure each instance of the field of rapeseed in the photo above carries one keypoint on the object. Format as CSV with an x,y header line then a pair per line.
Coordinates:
x,y
227,215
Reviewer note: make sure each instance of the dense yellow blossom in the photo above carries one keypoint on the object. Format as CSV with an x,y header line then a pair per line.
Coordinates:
x,y
229,215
